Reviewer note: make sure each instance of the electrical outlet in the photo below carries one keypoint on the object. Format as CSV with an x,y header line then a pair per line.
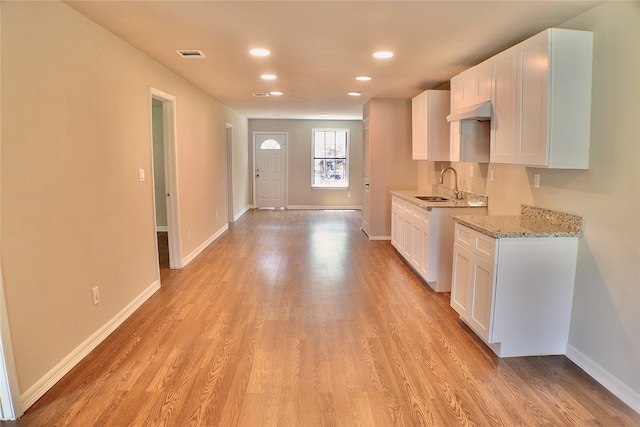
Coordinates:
x,y
348,193
536,180
470,171
492,175
96,295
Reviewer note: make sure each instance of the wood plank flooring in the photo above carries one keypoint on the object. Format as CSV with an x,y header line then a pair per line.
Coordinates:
x,y
295,318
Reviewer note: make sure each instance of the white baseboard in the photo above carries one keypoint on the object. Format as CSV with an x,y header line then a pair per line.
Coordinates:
x,y
186,260
611,383
323,207
379,237
43,385
242,212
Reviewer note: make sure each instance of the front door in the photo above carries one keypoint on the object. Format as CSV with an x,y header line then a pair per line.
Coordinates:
x,y
270,169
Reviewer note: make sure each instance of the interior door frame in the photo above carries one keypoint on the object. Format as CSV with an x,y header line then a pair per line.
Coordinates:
x,y
229,136
171,176
286,166
11,405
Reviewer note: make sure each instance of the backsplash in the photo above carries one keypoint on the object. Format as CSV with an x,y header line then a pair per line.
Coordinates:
x,y
443,190
574,222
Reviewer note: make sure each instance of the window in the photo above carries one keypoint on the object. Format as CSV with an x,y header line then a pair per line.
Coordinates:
x,y
330,167
270,144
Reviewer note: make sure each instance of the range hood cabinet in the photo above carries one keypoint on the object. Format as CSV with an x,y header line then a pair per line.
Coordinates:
x,y
480,112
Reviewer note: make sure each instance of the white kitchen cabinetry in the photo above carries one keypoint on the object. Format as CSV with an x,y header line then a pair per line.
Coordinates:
x,y
471,87
469,139
424,238
541,97
514,293
429,126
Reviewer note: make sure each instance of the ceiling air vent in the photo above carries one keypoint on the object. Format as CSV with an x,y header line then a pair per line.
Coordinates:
x,y
261,95
191,53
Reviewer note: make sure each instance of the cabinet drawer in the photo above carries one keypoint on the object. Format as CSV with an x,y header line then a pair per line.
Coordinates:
x,y
426,217
416,212
484,246
464,237
475,241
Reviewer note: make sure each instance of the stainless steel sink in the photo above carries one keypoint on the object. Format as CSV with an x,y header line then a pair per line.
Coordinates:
x,y
432,198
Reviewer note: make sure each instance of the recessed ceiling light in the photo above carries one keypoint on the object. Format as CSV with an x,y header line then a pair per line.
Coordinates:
x,y
363,78
276,93
260,52
383,54
353,93
268,76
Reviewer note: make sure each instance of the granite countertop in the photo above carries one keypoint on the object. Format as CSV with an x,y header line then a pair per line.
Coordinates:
x,y
468,200
532,222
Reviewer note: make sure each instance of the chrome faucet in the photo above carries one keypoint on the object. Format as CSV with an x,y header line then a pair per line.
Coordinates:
x,y
455,174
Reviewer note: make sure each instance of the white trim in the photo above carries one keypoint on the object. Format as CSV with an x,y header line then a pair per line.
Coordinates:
x,y
162,228
43,385
171,174
325,208
347,170
204,245
9,388
229,171
604,377
245,210
379,237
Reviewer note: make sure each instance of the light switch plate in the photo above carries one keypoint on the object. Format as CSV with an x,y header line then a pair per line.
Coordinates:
x,y
141,175
536,180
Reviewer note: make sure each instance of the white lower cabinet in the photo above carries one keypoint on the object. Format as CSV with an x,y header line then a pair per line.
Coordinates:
x,y
424,238
514,293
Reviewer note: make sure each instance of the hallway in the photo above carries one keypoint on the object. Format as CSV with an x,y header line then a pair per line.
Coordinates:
x,y
295,318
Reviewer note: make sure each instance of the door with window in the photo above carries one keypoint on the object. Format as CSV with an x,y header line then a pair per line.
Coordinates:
x,y
270,169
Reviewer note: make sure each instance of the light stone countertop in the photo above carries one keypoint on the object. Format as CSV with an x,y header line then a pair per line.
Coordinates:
x,y
532,222
469,200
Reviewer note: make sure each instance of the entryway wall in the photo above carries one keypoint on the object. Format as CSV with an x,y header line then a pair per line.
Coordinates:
x,y
300,194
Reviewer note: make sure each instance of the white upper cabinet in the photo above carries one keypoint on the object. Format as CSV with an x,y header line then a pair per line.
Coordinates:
x,y
429,126
471,87
541,97
469,139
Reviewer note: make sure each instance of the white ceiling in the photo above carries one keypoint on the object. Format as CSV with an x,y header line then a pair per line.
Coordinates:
x,y
319,47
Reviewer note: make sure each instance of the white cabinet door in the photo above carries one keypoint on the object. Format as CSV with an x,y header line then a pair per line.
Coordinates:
x,y
533,101
480,312
418,244
503,98
419,148
407,248
396,229
429,126
541,96
461,278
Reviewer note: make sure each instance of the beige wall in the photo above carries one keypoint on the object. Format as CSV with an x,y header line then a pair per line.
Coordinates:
x,y
605,325
76,128
300,193
390,163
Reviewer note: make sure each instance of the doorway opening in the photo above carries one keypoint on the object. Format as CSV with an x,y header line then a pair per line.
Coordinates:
x,y
230,214
165,180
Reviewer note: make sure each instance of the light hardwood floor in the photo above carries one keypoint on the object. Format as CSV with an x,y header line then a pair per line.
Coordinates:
x,y
295,318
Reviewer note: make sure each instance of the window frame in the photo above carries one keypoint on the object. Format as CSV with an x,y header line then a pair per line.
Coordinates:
x,y
347,133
